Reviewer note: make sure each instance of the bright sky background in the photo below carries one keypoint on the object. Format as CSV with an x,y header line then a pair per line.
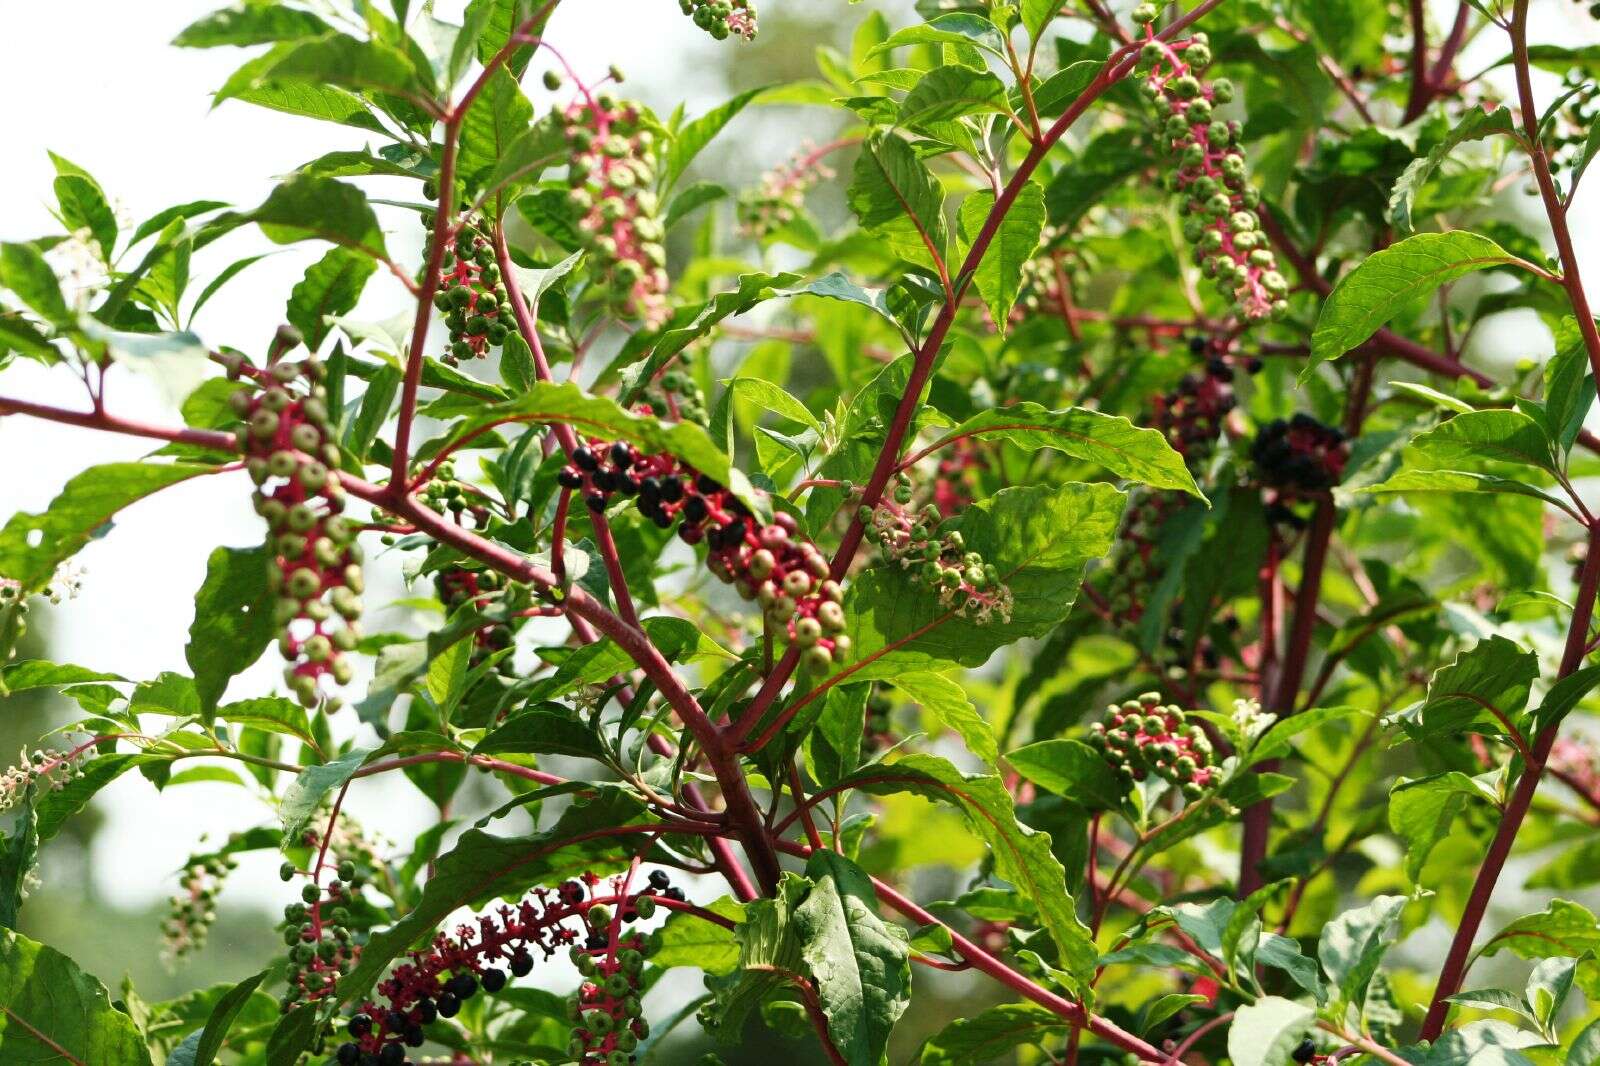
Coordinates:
x,y
136,114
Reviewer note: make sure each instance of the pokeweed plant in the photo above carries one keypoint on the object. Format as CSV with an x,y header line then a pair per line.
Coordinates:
x,y
1210,638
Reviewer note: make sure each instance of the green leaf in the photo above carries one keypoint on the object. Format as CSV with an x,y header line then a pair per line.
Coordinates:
x,y
991,1034
1110,441
373,412
950,92
1563,698
37,673
1071,769
1038,14
772,398
323,102
1475,125
1483,689
523,159
1562,930
482,867
306,207
1585,1050
1353,944
1266,1032
252,22
336,60
769,956
1421,812
689,141
1416,482
33,545
859,964
546,728
1569,387
1388,281
895,196
1548,988
48,1006
498,116
233,621
57,805
1052,96
222,1018
948,701
83,204
688,940
1503,435
1021,855
1104,163
331,286
24,271
273,714
959,28
307,791
19,851
999,273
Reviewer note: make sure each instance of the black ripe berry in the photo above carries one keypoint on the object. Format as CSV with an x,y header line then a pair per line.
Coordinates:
x,y
521,963
1305,1052
448,1005
494,980
348,1055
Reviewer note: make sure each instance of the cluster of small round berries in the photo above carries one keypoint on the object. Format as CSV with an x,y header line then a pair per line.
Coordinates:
x,y
1191,415
458,586
1299,455
444,492
771,564
1132,564
678,394
319,935
293,456
44,770
497,947
938,561
607,1018
1141,737
1056,270
953,483
781,196
192,910
609,178
722,18
1217,201
877,730
477,309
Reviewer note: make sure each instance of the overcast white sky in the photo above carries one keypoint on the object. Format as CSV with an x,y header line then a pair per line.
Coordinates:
x,y
96,82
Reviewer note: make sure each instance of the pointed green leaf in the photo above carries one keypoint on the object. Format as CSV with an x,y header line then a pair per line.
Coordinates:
x,y
331,286
894,195
233,621
48,1006
1266,1032
999,273
1475,125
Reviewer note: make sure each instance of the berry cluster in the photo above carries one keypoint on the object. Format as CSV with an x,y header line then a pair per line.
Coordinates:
x,y
953,483
1190,416
191,911
781,196
44,770
610,178
319,935
444,492
1055,271
938,561
722,18
1217,201
1299,456
771,564
477,309
293,456
676,393
607,1019
499,946
877,730
458,586
1141,737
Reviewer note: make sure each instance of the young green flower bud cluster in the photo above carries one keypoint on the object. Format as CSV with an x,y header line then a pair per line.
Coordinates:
x,y
192,910
44,770
459,586
772,564
954,484
781,196
477,309
1299,456
677,395
318,932
292,454
610,180
1216,199
722,18
497,947
962,579
1141,737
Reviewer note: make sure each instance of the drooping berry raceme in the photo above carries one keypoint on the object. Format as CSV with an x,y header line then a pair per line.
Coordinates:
x,y
459,586
1191,415
610,180
477,309
1056,271
1141,737
770,563
780,198
192,910
1216,199
319,934
497,947
314,566
940,562
1299,456
722,18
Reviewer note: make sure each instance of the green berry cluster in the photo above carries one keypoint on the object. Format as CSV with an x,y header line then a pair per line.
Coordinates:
x,y
293,456
781,196
1054,271
962,579
675,395
192,910
13,617
607,1018
610,179
722,18
477,309
445,492
318,932
1140,737
1215,198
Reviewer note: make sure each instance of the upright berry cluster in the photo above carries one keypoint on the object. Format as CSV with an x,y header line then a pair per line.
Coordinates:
x,y
192,911
962,579
1216,199
781,196
477,309
1299,456
722,18
1141,737
489,952
319,934
771,564
610,180
292,455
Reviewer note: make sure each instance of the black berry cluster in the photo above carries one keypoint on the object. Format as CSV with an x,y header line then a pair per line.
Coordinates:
x,y
1216,199
1299,455
319,934
722,18
192,910
781,196
293,456
1191,414
962,579
772,564
477,309
611,177
1141,737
